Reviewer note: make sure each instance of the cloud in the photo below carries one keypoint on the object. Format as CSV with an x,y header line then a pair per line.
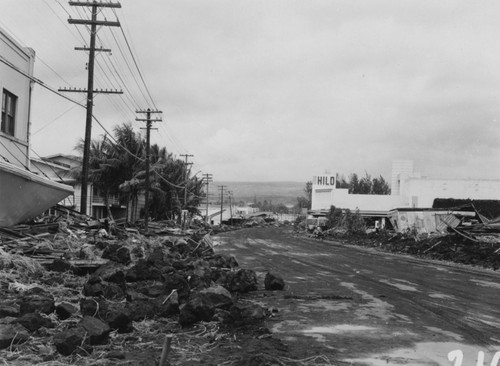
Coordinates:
x,y
286,89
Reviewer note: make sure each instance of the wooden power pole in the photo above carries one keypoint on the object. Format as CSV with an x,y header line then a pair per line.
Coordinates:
x,y
230,195
149,122
186,156
208,179
221,201
93,22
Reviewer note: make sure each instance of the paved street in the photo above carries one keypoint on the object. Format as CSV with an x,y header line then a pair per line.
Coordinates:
x,y
364,306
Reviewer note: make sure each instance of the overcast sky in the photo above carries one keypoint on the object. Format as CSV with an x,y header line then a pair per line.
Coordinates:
x,y
284,90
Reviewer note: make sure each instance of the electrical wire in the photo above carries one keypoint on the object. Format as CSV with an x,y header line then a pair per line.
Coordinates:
x,y
59,116
110,65
38,81
135,62
15,157
50,166
41,83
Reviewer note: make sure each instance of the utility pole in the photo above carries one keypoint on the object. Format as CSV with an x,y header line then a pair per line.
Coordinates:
x,y
90,84
208,179
221,188
230,194
148,121
186,177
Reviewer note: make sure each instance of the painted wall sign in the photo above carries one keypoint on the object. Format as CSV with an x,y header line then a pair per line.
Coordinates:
x,y
325,180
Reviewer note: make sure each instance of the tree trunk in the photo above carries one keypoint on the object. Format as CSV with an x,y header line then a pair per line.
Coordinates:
x,y
106,204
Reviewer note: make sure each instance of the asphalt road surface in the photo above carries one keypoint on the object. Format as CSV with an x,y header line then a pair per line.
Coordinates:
x,y
364,306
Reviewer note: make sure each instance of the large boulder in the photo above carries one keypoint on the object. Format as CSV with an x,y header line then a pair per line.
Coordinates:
x,y
142,309
91,306
247,313
34,321
96,329
243,280
142,306
143,270
69,340
109,272
36,299
200,276
202,306
108,281
9,309
178,282
158,257
61,265
273,282
118,315
195,310
65,310
117,253
168,306
217,297
109,290
12,334
223,261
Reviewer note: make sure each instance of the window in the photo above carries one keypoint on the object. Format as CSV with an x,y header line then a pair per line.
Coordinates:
x,y
9,102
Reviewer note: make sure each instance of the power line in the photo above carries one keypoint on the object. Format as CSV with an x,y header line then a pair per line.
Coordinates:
x,y
129,67
39,82
59,116
136,64
94,22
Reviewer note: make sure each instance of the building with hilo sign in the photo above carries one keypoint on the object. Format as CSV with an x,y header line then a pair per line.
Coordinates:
x,y
409,190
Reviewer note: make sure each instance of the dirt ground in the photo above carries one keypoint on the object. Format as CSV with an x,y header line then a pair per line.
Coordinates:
x,y
340,306
366,306
205,343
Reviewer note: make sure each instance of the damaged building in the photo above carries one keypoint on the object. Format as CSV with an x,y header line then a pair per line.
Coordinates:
x,y
412,199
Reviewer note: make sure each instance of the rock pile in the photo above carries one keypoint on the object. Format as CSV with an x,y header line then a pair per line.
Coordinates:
x,y
176,278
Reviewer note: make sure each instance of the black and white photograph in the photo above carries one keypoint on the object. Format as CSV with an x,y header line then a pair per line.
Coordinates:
x,y
250,183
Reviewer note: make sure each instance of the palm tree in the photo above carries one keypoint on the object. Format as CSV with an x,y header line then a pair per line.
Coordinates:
x,y
129,150
103,169
120,167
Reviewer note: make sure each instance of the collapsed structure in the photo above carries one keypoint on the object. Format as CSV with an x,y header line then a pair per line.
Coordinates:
x,y
411,202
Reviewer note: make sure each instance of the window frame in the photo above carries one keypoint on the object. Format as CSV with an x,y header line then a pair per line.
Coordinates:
x,y
9,111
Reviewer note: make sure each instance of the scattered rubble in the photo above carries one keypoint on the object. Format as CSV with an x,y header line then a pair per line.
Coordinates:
x,y
80,291
476,243
77,291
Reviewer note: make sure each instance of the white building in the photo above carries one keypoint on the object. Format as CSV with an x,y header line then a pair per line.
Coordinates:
x,y
408,190
16,68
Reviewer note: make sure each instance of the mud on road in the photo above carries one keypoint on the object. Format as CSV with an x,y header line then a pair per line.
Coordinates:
x,y
358,305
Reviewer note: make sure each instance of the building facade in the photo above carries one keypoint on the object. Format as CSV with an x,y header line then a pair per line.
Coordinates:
x,y
408,190
16,69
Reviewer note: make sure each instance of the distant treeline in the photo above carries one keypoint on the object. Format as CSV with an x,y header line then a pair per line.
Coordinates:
x,y
365,185
355,185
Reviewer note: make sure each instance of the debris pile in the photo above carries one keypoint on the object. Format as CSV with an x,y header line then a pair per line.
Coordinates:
x,y
477,244
82,293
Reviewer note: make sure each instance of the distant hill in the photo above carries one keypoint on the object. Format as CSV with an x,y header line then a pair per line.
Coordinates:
x,y
275,192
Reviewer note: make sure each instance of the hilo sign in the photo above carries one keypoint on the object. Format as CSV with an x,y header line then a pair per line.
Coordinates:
x,y
324,180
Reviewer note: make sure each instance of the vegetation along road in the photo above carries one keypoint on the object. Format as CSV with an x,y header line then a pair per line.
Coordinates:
x,y
363,306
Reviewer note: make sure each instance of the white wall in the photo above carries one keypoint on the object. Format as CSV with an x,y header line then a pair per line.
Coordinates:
x,y
421,192
400,170
16,148
324,195
365,202
409,189
322,198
